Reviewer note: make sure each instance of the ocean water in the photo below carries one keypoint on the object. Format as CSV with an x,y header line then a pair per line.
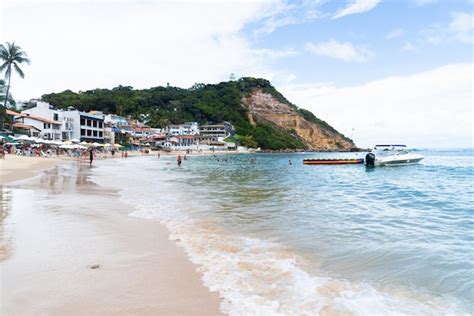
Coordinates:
x,y
280,239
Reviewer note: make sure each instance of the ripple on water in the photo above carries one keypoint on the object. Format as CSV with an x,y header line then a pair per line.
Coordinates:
x,y
304,239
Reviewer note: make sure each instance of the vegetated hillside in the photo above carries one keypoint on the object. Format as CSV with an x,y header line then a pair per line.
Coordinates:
x,y
260,114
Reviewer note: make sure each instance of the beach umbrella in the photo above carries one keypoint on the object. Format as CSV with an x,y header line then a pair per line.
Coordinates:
x,y
107,145
75,140
24,137
96,144
85,143
37,140
67,142
118,146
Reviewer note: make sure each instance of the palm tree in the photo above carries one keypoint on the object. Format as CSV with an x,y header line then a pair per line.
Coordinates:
x,y
3,88
11,56
3,93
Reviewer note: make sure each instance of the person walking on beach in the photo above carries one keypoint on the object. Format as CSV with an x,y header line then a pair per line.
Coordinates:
x,y
91,156
126,154
178,159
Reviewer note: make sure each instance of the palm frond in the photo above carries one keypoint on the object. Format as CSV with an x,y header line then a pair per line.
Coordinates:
x,y
18,70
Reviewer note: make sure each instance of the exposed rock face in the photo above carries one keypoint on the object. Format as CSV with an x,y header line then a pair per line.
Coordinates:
x,y
265,107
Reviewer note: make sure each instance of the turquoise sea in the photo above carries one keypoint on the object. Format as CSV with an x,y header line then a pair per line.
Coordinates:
x,y
281,239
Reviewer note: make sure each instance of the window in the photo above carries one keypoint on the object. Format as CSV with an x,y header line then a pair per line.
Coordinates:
x,y
89,123
94,123
56,117
83,121
100,124
45,125
101,134
95,133
83,132
89,132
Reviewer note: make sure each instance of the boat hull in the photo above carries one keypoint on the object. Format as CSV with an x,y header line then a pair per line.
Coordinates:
x,y
399,161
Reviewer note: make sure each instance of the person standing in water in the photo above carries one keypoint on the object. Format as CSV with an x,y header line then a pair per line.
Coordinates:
x,y
178,159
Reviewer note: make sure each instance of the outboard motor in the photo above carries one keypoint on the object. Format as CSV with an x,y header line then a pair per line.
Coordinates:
x,y
370,159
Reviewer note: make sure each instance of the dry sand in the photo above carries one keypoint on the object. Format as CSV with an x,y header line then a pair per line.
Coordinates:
x,y
14,168
59,226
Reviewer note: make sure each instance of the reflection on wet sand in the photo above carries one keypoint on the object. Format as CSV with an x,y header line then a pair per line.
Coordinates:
x,y
62,225
5,208
66,178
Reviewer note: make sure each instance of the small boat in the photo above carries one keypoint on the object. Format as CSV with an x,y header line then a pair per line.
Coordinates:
x,y
391,155
332,161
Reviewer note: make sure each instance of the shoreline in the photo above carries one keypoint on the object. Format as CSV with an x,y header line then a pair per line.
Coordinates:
x,y
94,258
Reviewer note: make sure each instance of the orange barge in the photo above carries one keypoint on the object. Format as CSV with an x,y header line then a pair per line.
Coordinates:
x,y
332,161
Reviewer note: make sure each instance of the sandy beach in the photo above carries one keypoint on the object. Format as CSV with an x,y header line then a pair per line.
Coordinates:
x,y
70,248
15,168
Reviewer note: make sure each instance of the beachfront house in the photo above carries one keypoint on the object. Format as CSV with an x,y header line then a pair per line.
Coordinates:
x,y
44,117
189,128
48,129
214,133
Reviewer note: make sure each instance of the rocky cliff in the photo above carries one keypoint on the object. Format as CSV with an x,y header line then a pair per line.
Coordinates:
x,y
315,134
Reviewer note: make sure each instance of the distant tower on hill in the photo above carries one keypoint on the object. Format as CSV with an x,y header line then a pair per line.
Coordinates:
x,y
232,76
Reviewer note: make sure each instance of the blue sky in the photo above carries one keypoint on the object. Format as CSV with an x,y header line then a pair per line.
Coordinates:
x,y
385,31
377,70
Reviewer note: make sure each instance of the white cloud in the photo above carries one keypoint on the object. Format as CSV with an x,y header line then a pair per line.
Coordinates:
x,y
426,109
394,34
282,13
340,50
139,43
357,6
462,26
459,29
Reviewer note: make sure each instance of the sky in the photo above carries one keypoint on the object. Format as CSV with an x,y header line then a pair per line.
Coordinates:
x,y
379,71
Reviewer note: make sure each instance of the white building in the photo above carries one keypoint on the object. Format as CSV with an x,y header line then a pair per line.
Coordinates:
x,y
44,118
49,129
189,128
85,126
116,120
63,124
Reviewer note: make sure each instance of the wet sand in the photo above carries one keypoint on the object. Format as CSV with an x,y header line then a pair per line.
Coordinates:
x,y
73,250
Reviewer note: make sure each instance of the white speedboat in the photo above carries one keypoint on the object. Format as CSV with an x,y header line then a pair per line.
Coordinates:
x,y
391,155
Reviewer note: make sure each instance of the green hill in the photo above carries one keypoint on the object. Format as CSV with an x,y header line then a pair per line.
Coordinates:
x,y
205,104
